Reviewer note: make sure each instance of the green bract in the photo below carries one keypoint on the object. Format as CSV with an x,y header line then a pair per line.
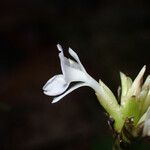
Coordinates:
x,y
134,101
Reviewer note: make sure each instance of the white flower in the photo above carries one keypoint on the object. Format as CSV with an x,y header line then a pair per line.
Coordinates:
x,y
72,71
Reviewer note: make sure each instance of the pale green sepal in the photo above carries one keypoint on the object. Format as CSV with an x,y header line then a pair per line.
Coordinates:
x,y
107,92
113,109
132,109
126,83
146,83
146,102
109,102
136,85
142,119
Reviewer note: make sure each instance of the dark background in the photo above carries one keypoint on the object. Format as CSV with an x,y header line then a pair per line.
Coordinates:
x,y
109,36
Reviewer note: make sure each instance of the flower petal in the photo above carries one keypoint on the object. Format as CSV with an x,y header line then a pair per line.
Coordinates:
x,y
55,86
56,99
75,56
72,71
74,75
62,58
60,48
74,64
66,62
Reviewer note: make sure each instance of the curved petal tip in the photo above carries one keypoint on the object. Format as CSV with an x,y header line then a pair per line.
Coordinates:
x,y
59,47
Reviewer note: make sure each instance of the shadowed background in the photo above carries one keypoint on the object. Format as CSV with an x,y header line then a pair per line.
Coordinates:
x,y
109,36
